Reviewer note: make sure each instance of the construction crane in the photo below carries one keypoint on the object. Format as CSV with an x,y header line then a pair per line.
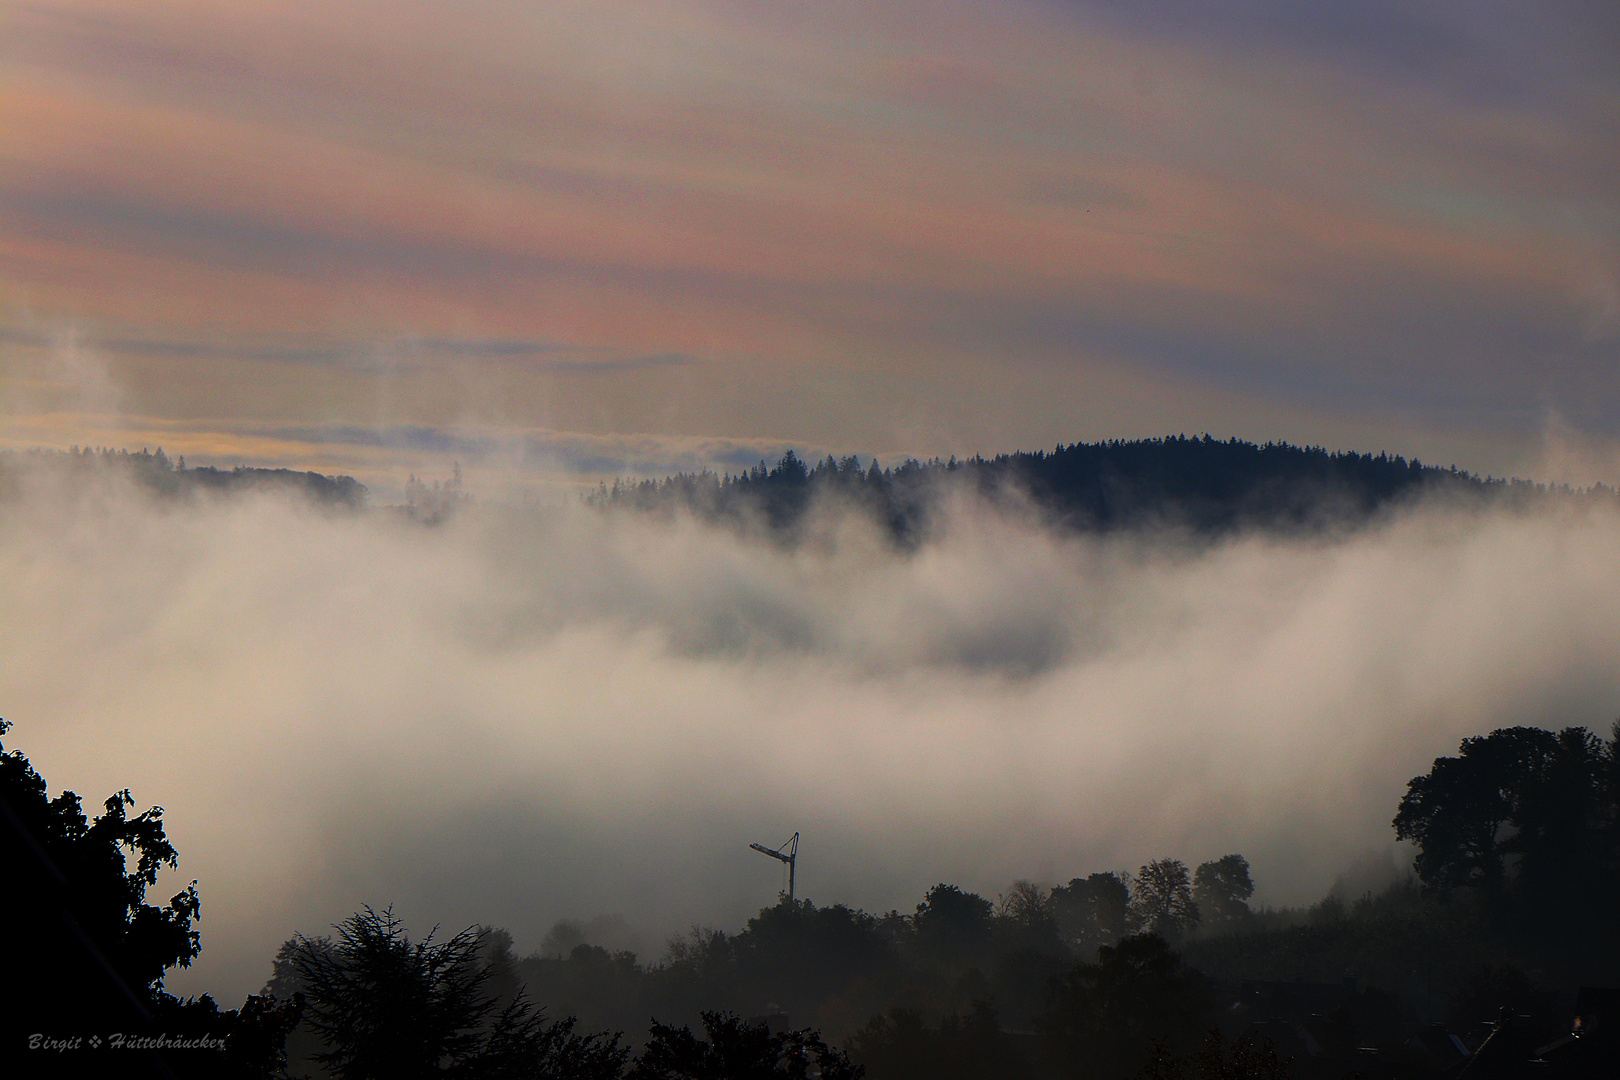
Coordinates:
x,y
791,858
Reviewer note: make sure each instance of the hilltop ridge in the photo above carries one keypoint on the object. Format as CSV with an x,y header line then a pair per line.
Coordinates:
x,y
156,473
1201,484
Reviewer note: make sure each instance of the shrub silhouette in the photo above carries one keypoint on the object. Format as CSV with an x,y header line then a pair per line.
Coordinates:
x,y
92,950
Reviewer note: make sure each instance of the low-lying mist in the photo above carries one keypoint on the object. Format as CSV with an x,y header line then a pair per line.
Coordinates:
x,y
516,717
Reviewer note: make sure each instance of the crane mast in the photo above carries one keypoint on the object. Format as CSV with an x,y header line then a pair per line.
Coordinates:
x,y
791,848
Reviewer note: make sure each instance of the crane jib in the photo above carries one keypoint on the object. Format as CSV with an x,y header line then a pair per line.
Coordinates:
x,y
791,858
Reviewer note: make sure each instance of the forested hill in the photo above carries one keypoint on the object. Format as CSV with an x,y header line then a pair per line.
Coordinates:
x,y
161,476
1202,484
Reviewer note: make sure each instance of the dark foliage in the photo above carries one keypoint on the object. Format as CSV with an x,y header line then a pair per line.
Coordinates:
x,y
964,1046
157,475
951,923
734,1049
800,956
1092,911
609,991
75,905
1203,485
1162,899
91,954
387,1008
1523,810
1221,891
1219,1058
1106,1018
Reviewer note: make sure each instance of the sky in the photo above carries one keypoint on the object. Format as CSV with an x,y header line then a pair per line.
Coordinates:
x,y
571,240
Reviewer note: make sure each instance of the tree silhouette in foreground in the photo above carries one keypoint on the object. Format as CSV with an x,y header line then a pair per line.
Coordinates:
x,y
1162,899
954,924
92,953
734,1049
967,1045
1219,1059
1533,811
387,1008
1221,890
1092,911
1107,1018
80,928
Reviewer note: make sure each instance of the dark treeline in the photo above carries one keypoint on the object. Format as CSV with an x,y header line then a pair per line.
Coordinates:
x,y
1475,966
156,473
1205,486
839,966
1202,484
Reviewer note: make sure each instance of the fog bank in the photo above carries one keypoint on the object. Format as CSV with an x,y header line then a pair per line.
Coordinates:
x,y
519,717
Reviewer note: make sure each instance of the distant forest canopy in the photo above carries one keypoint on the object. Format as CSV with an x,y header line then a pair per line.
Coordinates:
x,y
1202,484
158,474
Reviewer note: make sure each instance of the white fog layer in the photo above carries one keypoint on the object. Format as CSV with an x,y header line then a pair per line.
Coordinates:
x,y
516,718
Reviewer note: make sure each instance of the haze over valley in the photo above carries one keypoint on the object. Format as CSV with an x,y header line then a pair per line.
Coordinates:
x,y
520,715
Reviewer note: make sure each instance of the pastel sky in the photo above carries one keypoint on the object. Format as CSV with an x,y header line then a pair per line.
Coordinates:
x,y
585,238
